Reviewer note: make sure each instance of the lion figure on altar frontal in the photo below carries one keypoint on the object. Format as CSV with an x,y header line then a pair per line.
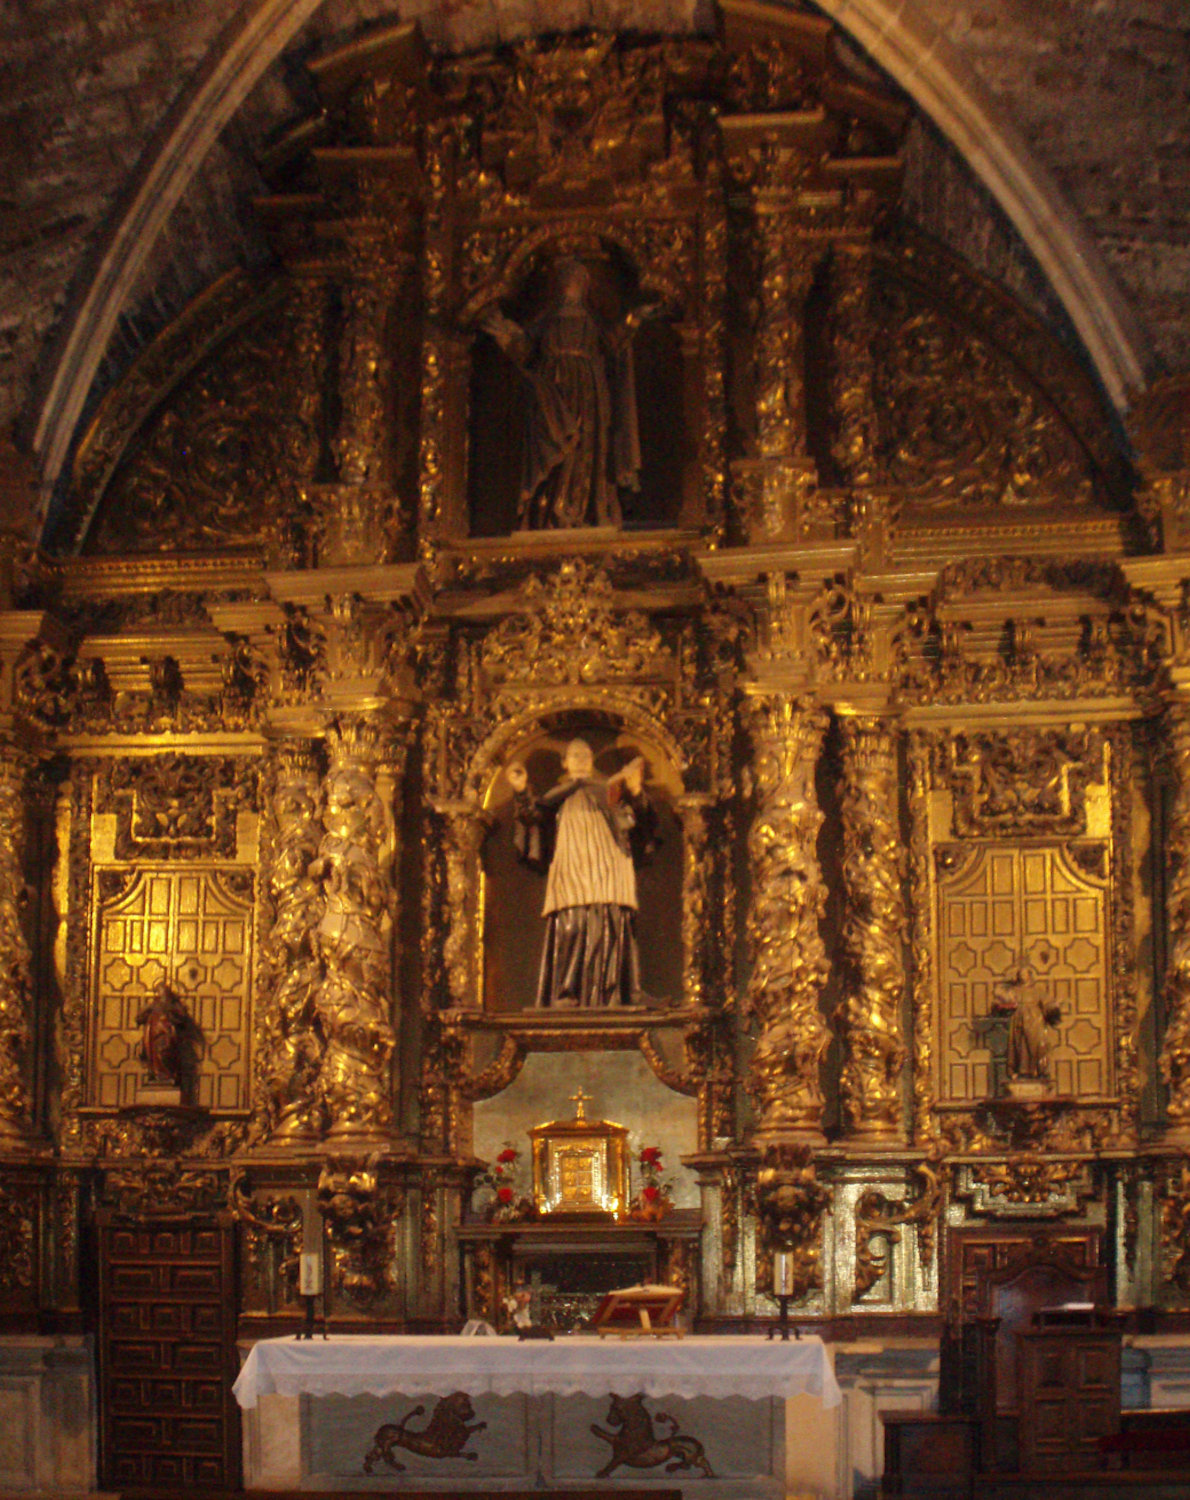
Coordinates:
x,y
444,1436
635,1442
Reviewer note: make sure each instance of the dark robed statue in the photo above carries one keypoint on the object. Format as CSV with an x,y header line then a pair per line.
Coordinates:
x,y
586,834
581,443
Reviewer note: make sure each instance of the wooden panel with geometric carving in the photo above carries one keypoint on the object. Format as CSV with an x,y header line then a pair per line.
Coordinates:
x,y
194,928
999,907
167,1354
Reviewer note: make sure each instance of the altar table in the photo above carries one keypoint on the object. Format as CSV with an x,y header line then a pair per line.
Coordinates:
x,y
410,1412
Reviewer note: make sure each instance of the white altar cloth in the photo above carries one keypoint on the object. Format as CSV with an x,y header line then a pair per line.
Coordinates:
x,y
362,1365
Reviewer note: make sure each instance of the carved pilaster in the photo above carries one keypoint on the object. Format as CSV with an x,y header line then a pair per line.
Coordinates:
x,y
465,831
696,873
853,336
15,972
358,445
788,896
293,1049
354,938
873,1045
1175,1048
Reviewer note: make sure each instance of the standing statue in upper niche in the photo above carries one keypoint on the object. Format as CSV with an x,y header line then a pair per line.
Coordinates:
x,y
586,832
169,1037
582,443
1029,1029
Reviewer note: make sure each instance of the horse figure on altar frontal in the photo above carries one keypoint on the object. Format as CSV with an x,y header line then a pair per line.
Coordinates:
x,y
635,1442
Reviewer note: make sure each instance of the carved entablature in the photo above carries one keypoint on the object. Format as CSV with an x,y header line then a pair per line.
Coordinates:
x,y
1008,629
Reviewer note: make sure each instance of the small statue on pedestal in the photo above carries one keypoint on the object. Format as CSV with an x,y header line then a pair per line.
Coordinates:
x,y
168,1046
1030,1032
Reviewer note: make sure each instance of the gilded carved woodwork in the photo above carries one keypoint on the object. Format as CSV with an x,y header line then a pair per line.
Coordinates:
x,y
1175,1225
352,1004
292,1046
359,1214
879,1222
788,958
1175,1045
272,1226
791,1203
19,1233
216,457
874,1048
233,728
16,994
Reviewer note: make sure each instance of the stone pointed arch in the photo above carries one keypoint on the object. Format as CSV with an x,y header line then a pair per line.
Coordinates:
x,y
896,33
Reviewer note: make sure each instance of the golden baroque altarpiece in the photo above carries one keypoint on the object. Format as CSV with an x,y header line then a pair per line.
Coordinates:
x,y
901,639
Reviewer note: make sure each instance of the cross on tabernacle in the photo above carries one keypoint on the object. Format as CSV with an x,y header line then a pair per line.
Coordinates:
x,y
580,1102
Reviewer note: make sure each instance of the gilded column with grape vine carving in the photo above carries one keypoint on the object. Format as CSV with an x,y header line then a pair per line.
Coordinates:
x,y
294,1046
854,342
873,1044
354,935
788,957
1175,1048
15,975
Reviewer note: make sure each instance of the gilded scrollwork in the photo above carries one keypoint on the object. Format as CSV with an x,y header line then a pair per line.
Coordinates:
x,y
959,423
877,1217
567,629
789,964
1022,781
175,806
874,1048
272,1226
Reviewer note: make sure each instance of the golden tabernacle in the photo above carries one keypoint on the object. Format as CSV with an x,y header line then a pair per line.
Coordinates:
x,y
606,614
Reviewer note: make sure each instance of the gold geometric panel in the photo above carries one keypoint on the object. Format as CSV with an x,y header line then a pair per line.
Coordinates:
x,y
194,928
999,907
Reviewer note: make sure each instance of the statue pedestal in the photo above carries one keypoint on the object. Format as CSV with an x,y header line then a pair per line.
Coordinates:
x,y
1028,1088
159,1096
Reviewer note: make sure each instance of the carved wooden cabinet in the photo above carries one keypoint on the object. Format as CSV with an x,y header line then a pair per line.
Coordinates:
x,y
167,1353
1068,1380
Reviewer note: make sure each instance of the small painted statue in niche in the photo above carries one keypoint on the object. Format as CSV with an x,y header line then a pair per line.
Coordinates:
x,y
582,440
168,1037
587,834
1030,1029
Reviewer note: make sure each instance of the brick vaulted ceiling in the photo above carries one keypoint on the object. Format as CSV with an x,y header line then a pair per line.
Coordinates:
x,y
1051,148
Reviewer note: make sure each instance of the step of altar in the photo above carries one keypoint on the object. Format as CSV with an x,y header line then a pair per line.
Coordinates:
x,y
1096,1484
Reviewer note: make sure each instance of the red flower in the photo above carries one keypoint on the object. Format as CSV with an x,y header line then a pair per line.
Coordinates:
x,y
650,1193
509,1153
651,1156
505,1194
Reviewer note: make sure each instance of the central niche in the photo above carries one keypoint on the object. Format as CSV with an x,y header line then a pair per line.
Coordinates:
x,y
514,894
576,401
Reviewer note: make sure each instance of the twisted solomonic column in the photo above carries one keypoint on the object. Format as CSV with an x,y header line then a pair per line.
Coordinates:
x,y
788,958
873,1046
354,939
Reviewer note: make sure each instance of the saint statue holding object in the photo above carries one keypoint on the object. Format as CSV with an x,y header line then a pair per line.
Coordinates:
x,y
586,835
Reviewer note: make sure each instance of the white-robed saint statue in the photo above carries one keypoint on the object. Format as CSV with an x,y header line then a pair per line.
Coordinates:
x,y
587,835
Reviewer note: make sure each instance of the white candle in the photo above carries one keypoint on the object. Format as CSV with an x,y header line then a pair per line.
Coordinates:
x,y
782,1273
310,1273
